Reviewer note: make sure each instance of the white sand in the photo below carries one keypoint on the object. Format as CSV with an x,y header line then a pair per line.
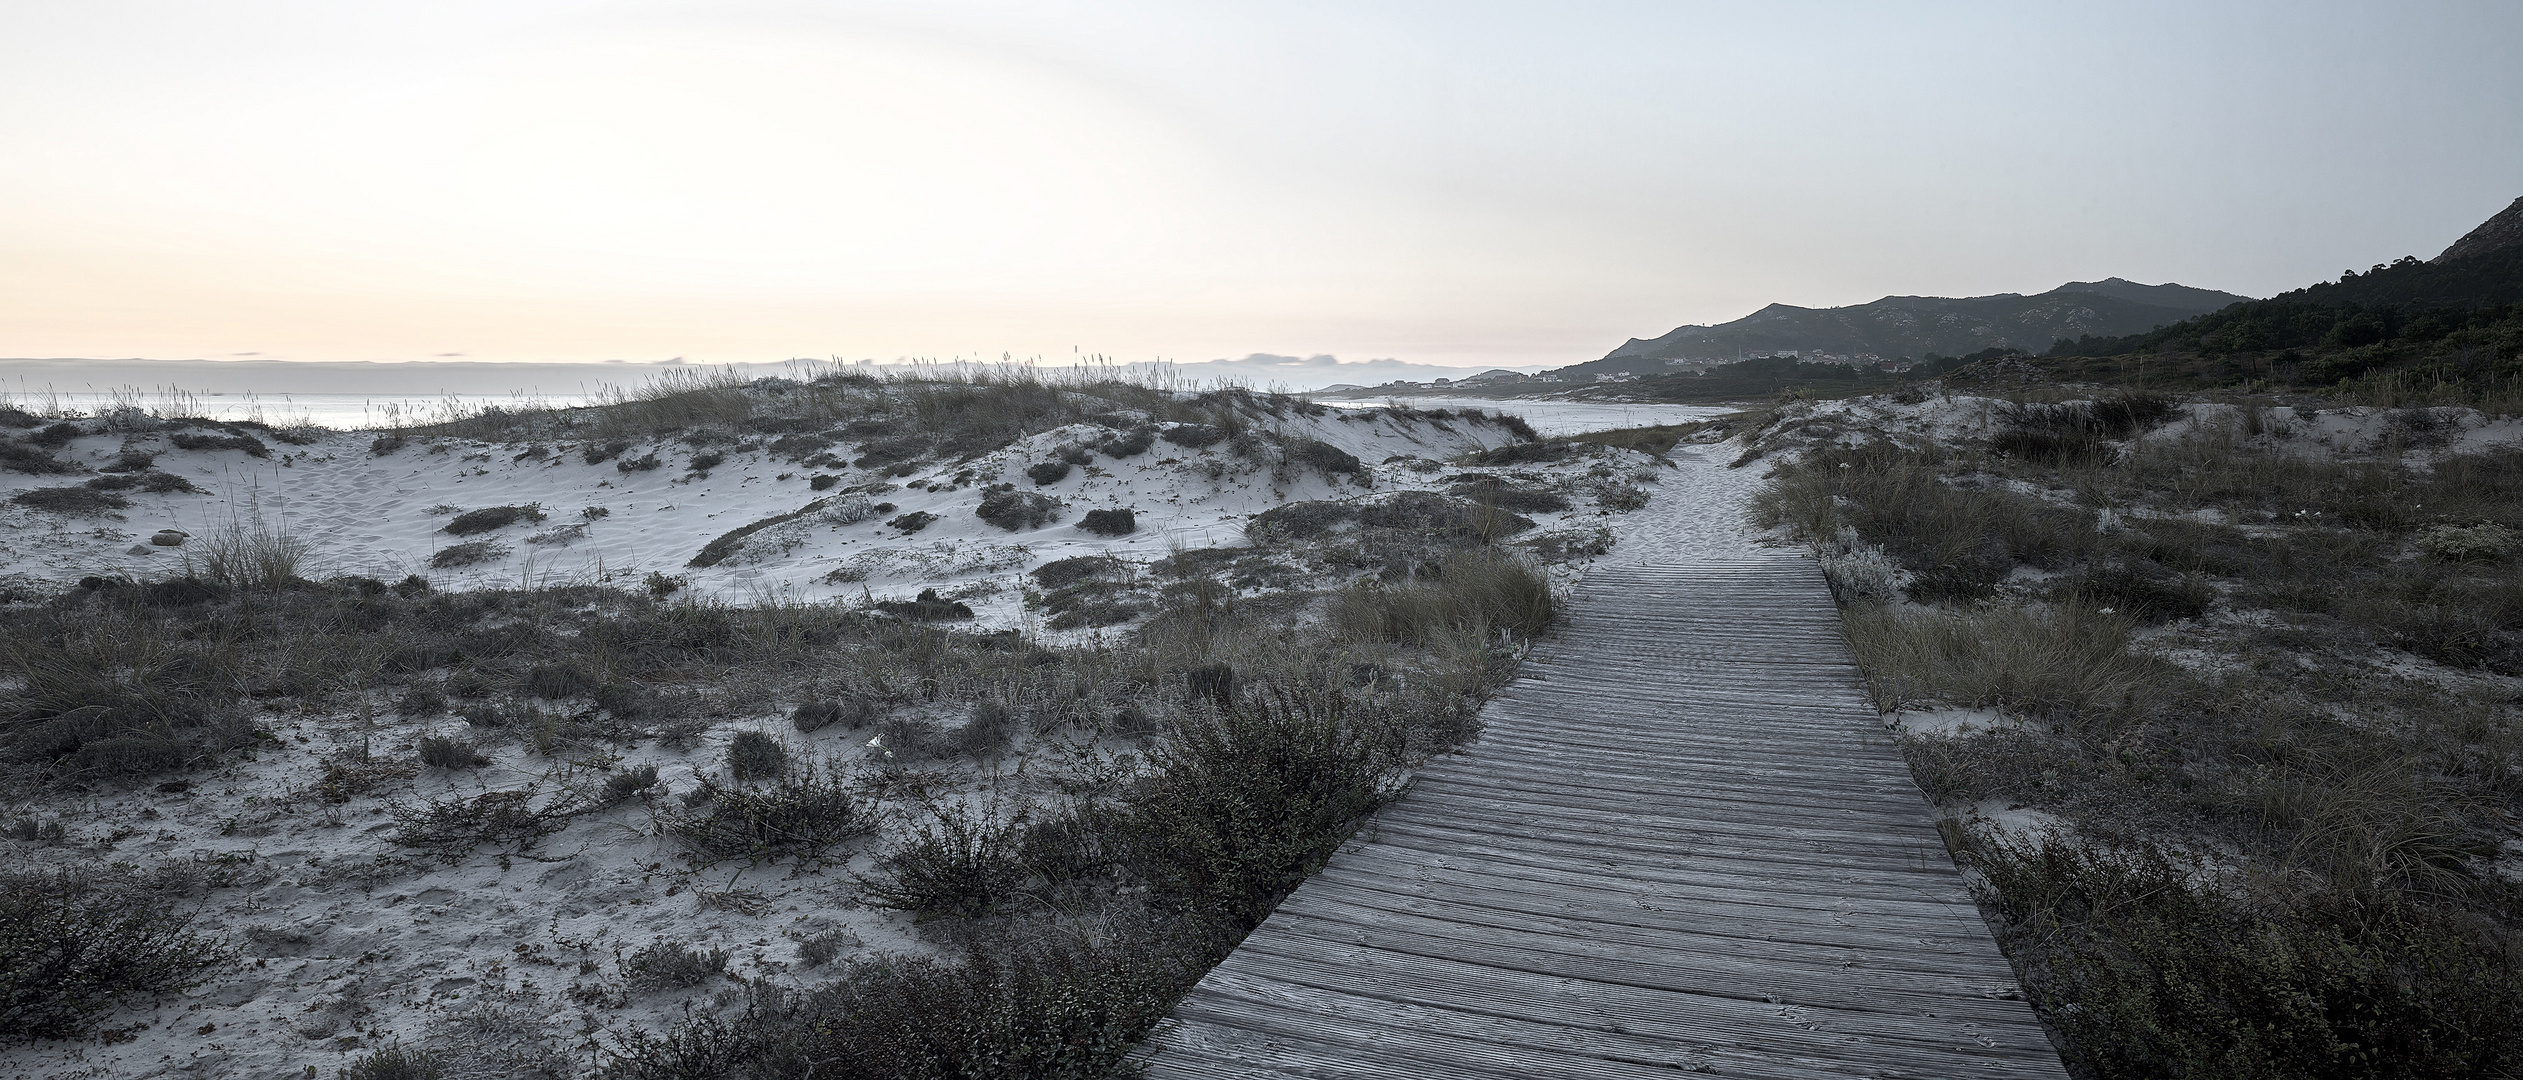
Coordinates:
x,y
343,954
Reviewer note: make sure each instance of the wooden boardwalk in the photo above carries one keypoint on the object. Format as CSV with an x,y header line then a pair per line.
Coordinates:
x,y
1683,843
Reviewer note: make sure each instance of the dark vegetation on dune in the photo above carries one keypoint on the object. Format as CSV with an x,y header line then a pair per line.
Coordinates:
x,y
1276,694
2281,826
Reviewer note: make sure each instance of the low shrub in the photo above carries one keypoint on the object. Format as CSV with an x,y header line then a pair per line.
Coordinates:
x,y
19,457
1062,573
913,521
1131,443
1015,510
189,440
469,553
75,943
552,682
595,453
1120,522
703,462
451,828
2485,542
421,702
927,607
1244,803
754,755
822,481
671,965
440,752
1194,436
152,481
990,728
2143,589
1061,1008
804,813
2150,973
1332,460
70,500
396,1063
1047,472
127,755
1506,496
643,463
628,783
961,863
1527,453
853,713
488,518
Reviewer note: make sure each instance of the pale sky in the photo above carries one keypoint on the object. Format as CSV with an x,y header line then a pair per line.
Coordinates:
x,y
1440,183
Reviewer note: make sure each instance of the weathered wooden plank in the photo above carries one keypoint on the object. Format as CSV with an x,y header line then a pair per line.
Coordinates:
x,y
1683,842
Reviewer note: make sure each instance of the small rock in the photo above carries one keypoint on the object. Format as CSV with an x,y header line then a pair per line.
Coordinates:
x,y
138,549
170,538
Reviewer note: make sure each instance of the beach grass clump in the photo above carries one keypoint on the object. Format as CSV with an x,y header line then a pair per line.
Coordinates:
x,y
1475,593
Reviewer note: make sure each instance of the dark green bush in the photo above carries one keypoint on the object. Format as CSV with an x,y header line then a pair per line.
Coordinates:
x,y
1193,435
856,712
644,463
1527,453
756,756
2150,974
1120,522
913,521
440,752
468,553
2143,589
75,943
396,1063
804,812
451,828
990,728
669,965
1058,1009
703,462
488,518
33,460
1047,472
1246,802
70,500
127,755
629,782
253,447
959,863
1332,460
1129,444
927,607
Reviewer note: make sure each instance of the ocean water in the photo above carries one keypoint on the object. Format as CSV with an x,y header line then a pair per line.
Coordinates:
x,y
341,412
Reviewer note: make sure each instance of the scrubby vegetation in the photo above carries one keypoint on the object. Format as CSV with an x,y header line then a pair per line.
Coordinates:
x,y
1078,825
2258,690
74,943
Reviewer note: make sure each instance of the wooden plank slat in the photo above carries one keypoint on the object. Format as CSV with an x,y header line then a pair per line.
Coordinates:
x,y
1683,843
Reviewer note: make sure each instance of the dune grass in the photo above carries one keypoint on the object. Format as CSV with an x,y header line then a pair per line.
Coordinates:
x,y
2273,842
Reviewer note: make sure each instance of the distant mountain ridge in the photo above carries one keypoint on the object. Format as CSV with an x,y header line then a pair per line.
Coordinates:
x,y
1914,326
